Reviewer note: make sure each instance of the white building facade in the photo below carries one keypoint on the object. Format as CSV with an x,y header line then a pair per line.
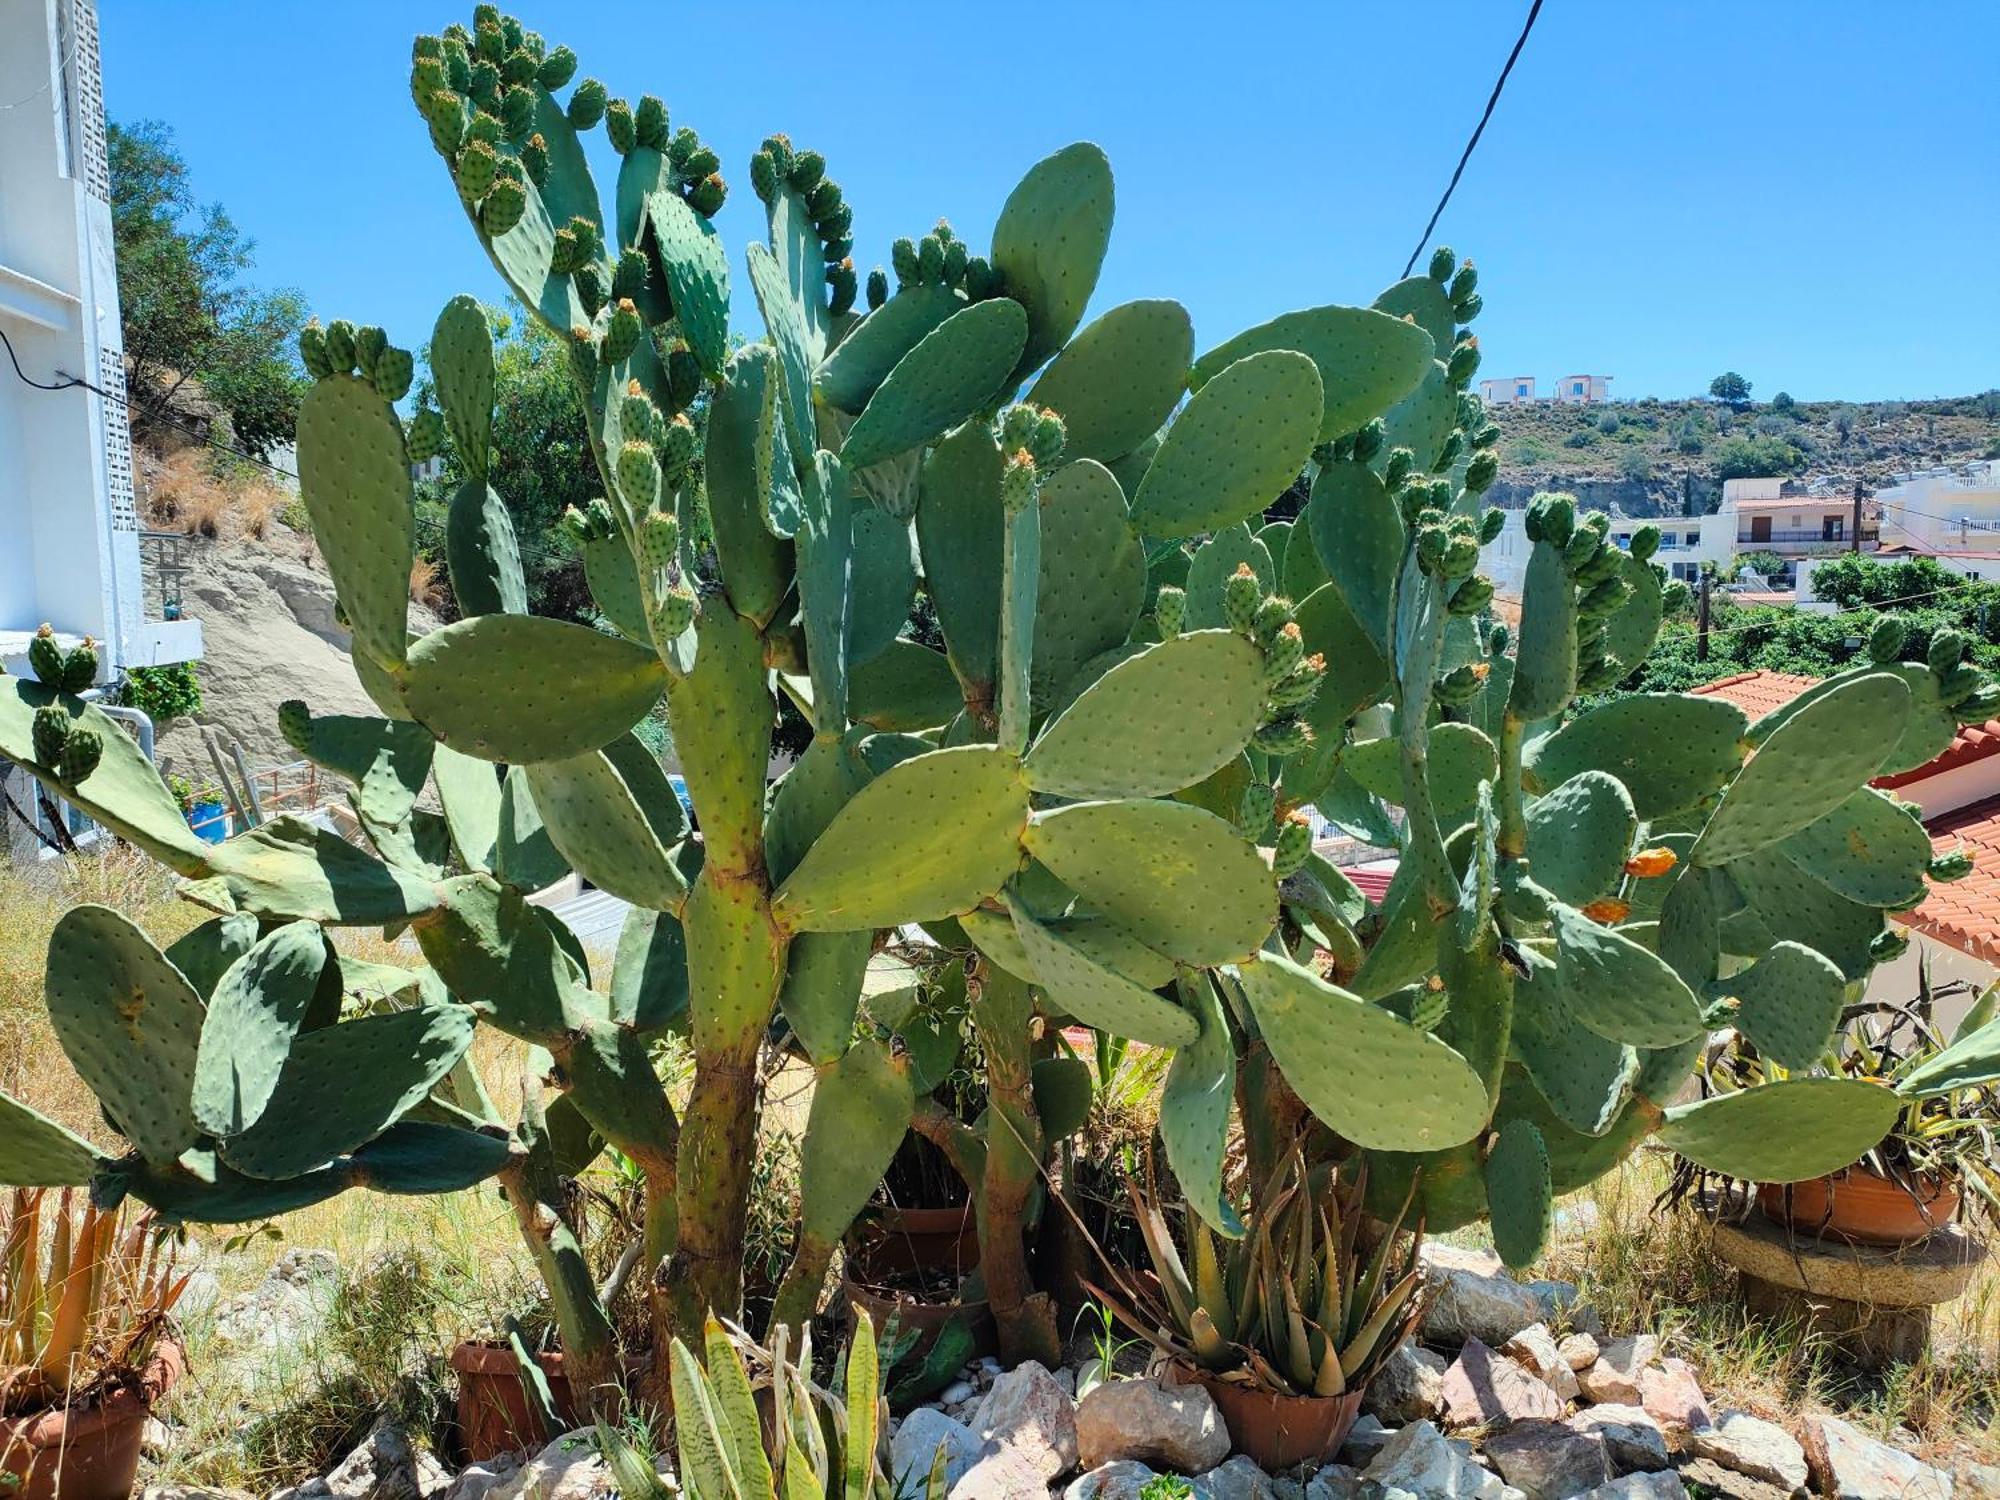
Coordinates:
x,y
70,546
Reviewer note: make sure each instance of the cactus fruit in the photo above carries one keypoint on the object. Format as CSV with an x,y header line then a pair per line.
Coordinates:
x,y
51,731
1949,867
425,436
1294,845
622,334
393,371
477,164
620,127
1169,609
45,656
587,104
1885,641
649,123
80,755
312,351
1241,596
79,667
639,475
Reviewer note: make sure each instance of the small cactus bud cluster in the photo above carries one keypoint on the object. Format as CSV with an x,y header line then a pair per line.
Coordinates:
x,y
1949,867
69,671
593,523
1169,610
1459,281
1447,545
63,748
680,446
1291,678
1463,364
340,348
1461,684
639,474
1596,568
623,331
778,166
941,258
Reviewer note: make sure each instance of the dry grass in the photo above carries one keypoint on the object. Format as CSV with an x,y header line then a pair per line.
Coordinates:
x,y
426,582
194,491
1654,1272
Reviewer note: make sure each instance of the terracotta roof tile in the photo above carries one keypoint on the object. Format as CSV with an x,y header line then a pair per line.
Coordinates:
x,y
1759,692
1966,913
1973,742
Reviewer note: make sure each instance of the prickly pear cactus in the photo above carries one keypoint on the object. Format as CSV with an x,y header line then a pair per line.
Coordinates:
x,y
1087,809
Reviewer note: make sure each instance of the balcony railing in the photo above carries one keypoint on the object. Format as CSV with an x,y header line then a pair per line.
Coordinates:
x,y
1869,536
163,569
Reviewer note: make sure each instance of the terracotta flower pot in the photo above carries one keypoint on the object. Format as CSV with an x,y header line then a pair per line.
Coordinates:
x,y
928,1318
494,1416
1861,1206
892,1241
87,1452
1275,1431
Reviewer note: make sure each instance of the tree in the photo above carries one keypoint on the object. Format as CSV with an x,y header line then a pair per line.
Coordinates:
x,y
1763,564
1852,581
1783,402
1731,389
1753,457
190,321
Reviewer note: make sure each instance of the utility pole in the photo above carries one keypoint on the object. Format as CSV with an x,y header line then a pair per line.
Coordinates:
x,y
1701,620
1854,543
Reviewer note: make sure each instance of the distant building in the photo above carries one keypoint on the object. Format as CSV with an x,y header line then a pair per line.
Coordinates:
x,y
1952,514
1508,390
1686,543
1571,390
1582,390
1799,519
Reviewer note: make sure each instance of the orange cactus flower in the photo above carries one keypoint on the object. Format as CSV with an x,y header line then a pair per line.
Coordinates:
x,y
1608,911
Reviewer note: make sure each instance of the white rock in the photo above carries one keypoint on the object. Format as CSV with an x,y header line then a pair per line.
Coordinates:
x,y
384,1466
1407,1388
1239,1479
1663,1484
1848,1465
191,1492
1366,1438
1474,1297
1535,1347
478,1480
1579,1351
1169,1427
1631,1436
1749,1445
1615,1376
915,1447
1030,1415
1337,1482
567,1468
1003,1471
1420,1461
1121,1480
1971,1481
957,1393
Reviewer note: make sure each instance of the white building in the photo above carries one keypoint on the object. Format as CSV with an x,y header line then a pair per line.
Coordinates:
x,y
1686,542
1950,514
1582,390
70,545
1507,390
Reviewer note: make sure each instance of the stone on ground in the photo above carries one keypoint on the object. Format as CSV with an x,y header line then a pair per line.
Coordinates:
x,y
1976,1482
1338,1482
1710,1478
1632,1437
1579,1350
1534,1348
386,1466
1750,1445
1663,1485
1481,1389
1849,1465
1670,1391
1028,1411
1407,1388
1473,1297
1549,1460
1420,1460
1366,1438
1615,1376
1238,1479
1121,1479
914,1449
478,1480
1169,1427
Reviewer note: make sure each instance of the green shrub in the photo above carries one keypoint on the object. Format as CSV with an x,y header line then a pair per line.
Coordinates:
x,y
1751,457
163,693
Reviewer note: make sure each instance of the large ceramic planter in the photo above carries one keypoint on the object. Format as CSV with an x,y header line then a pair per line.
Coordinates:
x,y
1862,1207
883,1305
87,1452
1276,1431
891,1242
494,1414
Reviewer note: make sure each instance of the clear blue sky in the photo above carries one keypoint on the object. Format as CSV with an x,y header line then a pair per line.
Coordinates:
x,y
1807,191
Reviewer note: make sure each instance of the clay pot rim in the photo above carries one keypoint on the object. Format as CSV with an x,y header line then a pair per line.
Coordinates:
x,y
895,1297
495,1357
1196,1373
129,1401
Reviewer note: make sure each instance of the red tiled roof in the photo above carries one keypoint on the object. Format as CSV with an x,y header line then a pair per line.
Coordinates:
x,y
1966,913
1373,879
1757,693
1973,742
1761,596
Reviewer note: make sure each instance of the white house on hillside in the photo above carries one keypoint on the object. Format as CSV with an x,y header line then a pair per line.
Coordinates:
x,y
70,545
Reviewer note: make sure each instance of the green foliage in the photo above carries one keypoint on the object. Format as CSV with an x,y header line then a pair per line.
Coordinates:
x,y
1731,389
163,693
191,324
1754,457
1854,579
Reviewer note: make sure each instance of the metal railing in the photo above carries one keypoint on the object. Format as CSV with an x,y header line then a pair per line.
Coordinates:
x,y
163,570
1796,538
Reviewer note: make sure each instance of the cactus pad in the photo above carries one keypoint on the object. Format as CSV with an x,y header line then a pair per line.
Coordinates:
x,y
1194,1111
1427,302
1205,692
1357,533
496,955
1118,380
862,361
203,953
1236,446
345,1084
475,685
860,1111
1814,762
1783,1132
929,838
1097,996
1179,878
742,455
1784,900
1579,836
37,1152
257,1009
1422,420
697,270
1049,243
959,524
288,869
422,1157
1459,758
1971,1061
1617,988
1868,849
1668,751
1356,674
649,986
1789,1003
601,827
129,1023
1214,561
354,475
461,361
954,370
1367,360
1091,584
1519,1193
1375,1079
1585,1078
483,553
786,324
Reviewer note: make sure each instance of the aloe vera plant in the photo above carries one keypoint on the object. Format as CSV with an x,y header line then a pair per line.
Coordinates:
x,y
1092,795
